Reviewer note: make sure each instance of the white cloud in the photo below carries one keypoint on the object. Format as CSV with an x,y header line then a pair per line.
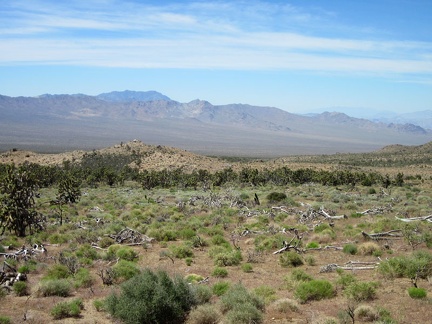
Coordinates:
x,y
202,35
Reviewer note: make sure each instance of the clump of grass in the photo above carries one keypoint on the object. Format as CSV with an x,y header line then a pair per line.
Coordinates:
x,y
361,291
247,267
55,287
20,288
266,293
204,314
290,259
312,245
220,272
181,251
314,290
67,309
241,306
417,293
285,306
366,313
368,248
220,288
350,249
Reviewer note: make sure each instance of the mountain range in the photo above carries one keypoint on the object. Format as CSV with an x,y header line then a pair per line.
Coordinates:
x,y
54,123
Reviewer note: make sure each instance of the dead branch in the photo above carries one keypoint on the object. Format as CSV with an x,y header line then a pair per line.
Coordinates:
x,y
327,216
288,245
377,210
130,236
414,219
350,265
393,234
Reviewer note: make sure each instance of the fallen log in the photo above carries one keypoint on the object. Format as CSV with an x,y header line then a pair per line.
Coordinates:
x,y
393,234
350,265
328,216
414,219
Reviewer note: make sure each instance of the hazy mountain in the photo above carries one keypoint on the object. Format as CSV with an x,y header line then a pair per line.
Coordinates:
x,y
127,95
64,122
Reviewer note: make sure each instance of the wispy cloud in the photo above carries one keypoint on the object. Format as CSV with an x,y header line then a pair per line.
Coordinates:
x,y
201,35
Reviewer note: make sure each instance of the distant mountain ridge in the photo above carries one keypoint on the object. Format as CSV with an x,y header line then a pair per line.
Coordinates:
x,y
82,121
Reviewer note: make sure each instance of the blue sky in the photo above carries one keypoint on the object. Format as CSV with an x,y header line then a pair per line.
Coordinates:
x,y
300,56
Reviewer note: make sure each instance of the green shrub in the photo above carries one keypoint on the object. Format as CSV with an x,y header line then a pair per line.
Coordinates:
x,y
228,258
99,305
202,293
220,272
290,259
181,251
241,306
345,279
321,227
193,278
350,249
285,305
204,314
414,292
314,290
57,271
189,261
276,196
247,267
300,275
67,309
126,253
310,260
368,248
266,293
186,233
416,265
125,270
361,291
106,242
152,297
312,245
55,287
218,239
20,288
83,278
5,320
220,288
366,313
86,251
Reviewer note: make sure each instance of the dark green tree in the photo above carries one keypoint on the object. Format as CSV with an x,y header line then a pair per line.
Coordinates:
x,y
18,189
69,192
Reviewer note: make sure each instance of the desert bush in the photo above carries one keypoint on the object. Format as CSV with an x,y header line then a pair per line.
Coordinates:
x,y
202,293
106,242
99,305
204,314
121,252
152,297
276,196
300,275
86,251
67,309
290,259
312,245
266,293
241,306
193,278
228,258
350,249
181,251
220,288
368,248
366,313
220,272
83,278
20,288
55,287
285,305
416,265
345,279
57,271
314,290
414,292
361,291
310,260
125,270
247,267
